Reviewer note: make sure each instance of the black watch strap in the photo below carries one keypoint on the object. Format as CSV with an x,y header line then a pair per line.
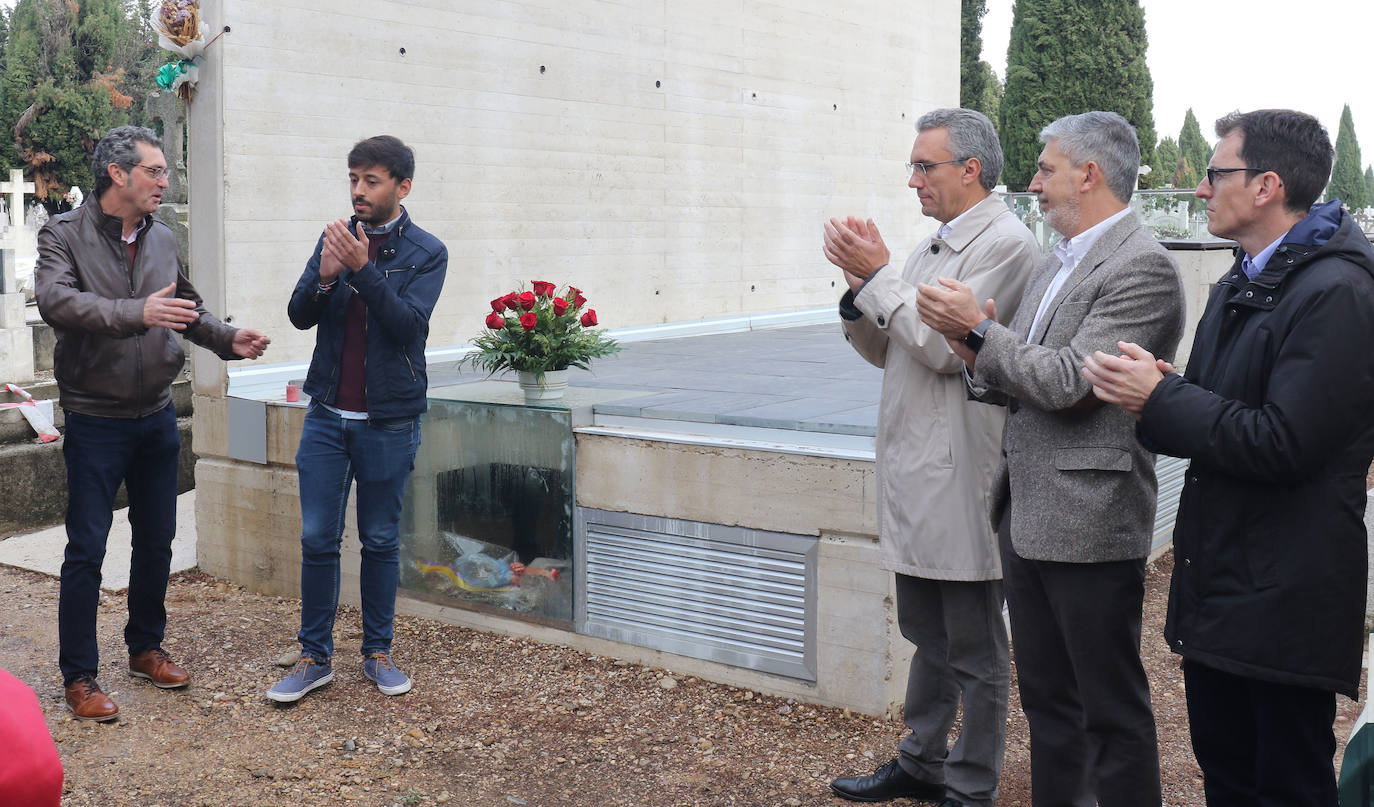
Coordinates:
x,y
974,339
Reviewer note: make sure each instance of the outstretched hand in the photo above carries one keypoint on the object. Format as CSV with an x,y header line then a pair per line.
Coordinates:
x,y
250,344
163,309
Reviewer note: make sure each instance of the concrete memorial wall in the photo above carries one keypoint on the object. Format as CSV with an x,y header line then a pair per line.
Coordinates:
x,y
674,160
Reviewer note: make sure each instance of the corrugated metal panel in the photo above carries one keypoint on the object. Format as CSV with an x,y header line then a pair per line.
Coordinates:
x,y
738,596
1170,473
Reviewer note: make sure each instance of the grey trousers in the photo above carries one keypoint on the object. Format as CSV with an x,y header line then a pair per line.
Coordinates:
x,y
961,654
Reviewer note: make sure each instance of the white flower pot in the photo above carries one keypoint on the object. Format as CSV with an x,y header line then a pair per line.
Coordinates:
x,y
555,383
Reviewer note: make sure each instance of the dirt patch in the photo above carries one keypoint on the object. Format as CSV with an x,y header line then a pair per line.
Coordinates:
x,y
494,721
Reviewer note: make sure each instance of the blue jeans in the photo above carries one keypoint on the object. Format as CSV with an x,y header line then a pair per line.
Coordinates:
x,y
380,454
100,453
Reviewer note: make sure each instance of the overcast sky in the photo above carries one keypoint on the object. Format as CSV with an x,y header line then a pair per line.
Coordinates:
x,y
1219,55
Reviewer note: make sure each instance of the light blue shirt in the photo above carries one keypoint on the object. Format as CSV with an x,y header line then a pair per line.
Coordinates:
x,y
1253,266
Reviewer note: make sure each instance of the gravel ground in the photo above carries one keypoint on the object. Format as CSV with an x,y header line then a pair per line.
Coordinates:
x,y
493,721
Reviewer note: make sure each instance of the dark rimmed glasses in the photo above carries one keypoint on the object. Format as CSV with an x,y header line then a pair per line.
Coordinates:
x,y
924,168
1213,173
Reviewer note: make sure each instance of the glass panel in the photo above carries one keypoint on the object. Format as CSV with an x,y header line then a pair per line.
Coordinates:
x,y
488,516
1167,213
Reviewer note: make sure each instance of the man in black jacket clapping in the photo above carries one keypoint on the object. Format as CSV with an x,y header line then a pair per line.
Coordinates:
x,y
1267,602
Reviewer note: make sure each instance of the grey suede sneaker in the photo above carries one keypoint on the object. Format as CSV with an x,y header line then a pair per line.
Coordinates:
x,y
307,675
391,681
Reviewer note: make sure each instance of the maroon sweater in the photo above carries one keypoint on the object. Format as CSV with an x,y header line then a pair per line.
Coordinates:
x,y
352,395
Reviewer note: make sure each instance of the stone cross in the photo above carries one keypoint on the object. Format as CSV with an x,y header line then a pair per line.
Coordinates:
x,y
15,189
16,339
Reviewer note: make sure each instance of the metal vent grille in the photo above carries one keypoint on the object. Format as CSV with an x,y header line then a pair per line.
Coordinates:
x,y
1170,473
729,594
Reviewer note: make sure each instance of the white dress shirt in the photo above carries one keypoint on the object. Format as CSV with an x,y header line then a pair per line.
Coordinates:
x,y
1070,251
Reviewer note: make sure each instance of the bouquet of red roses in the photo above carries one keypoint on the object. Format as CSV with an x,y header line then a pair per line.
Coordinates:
x,y
540,329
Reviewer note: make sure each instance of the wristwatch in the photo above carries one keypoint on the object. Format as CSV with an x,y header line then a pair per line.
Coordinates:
x,y
974,339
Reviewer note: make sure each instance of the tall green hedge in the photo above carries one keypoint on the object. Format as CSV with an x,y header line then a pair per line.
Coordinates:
x,y
1067,57
1347,183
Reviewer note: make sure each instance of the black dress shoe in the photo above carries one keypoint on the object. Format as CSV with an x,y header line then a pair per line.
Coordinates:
x,y
887,783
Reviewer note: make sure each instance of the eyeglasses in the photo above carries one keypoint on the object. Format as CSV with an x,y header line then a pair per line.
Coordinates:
x,y
154,173
1213,173
924,168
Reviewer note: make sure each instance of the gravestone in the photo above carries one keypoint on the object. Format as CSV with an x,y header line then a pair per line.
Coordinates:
x,y
16,340
168,112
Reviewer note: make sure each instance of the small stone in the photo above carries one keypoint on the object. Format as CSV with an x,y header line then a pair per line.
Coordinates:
x,y
793,802
667,682
705,744
349,746
288,659
784,709
443,798
516,800
416,733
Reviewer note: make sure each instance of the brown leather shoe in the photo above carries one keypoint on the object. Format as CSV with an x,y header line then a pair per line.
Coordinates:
x,y
158,667
88,702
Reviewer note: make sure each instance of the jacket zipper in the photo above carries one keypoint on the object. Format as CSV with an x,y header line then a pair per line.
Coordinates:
x,y
138,337
387,275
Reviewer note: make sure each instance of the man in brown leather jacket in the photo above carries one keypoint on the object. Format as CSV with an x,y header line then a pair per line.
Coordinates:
x,y
109,282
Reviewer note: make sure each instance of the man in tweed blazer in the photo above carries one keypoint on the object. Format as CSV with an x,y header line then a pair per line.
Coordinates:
x,y
1075,502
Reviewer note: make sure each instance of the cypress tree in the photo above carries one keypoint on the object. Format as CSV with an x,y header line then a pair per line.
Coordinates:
x,y
1067,57
979,87
1193,152
972,79
1346,182
991,102
1164,170
1369,184
7,156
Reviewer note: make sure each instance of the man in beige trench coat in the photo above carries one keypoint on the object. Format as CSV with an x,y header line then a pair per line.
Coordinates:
x,y
937,455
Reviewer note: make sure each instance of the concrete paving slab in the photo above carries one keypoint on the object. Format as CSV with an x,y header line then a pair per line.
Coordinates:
x,y
42,551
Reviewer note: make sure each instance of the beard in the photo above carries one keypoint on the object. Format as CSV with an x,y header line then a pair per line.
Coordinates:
x,y
1064,218
374,215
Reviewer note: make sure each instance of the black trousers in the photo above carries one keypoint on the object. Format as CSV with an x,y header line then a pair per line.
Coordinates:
x,y
1075,630
1261,744
100,453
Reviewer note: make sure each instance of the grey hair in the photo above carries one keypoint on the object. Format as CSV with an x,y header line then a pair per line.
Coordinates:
x,y
1105,138
119,147
971,134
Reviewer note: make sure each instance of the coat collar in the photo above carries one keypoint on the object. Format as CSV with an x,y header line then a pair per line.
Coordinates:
x,y
402,224
112,226
1326,229
974,221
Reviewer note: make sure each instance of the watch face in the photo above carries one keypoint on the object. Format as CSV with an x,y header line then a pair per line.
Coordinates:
x,y
974,340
